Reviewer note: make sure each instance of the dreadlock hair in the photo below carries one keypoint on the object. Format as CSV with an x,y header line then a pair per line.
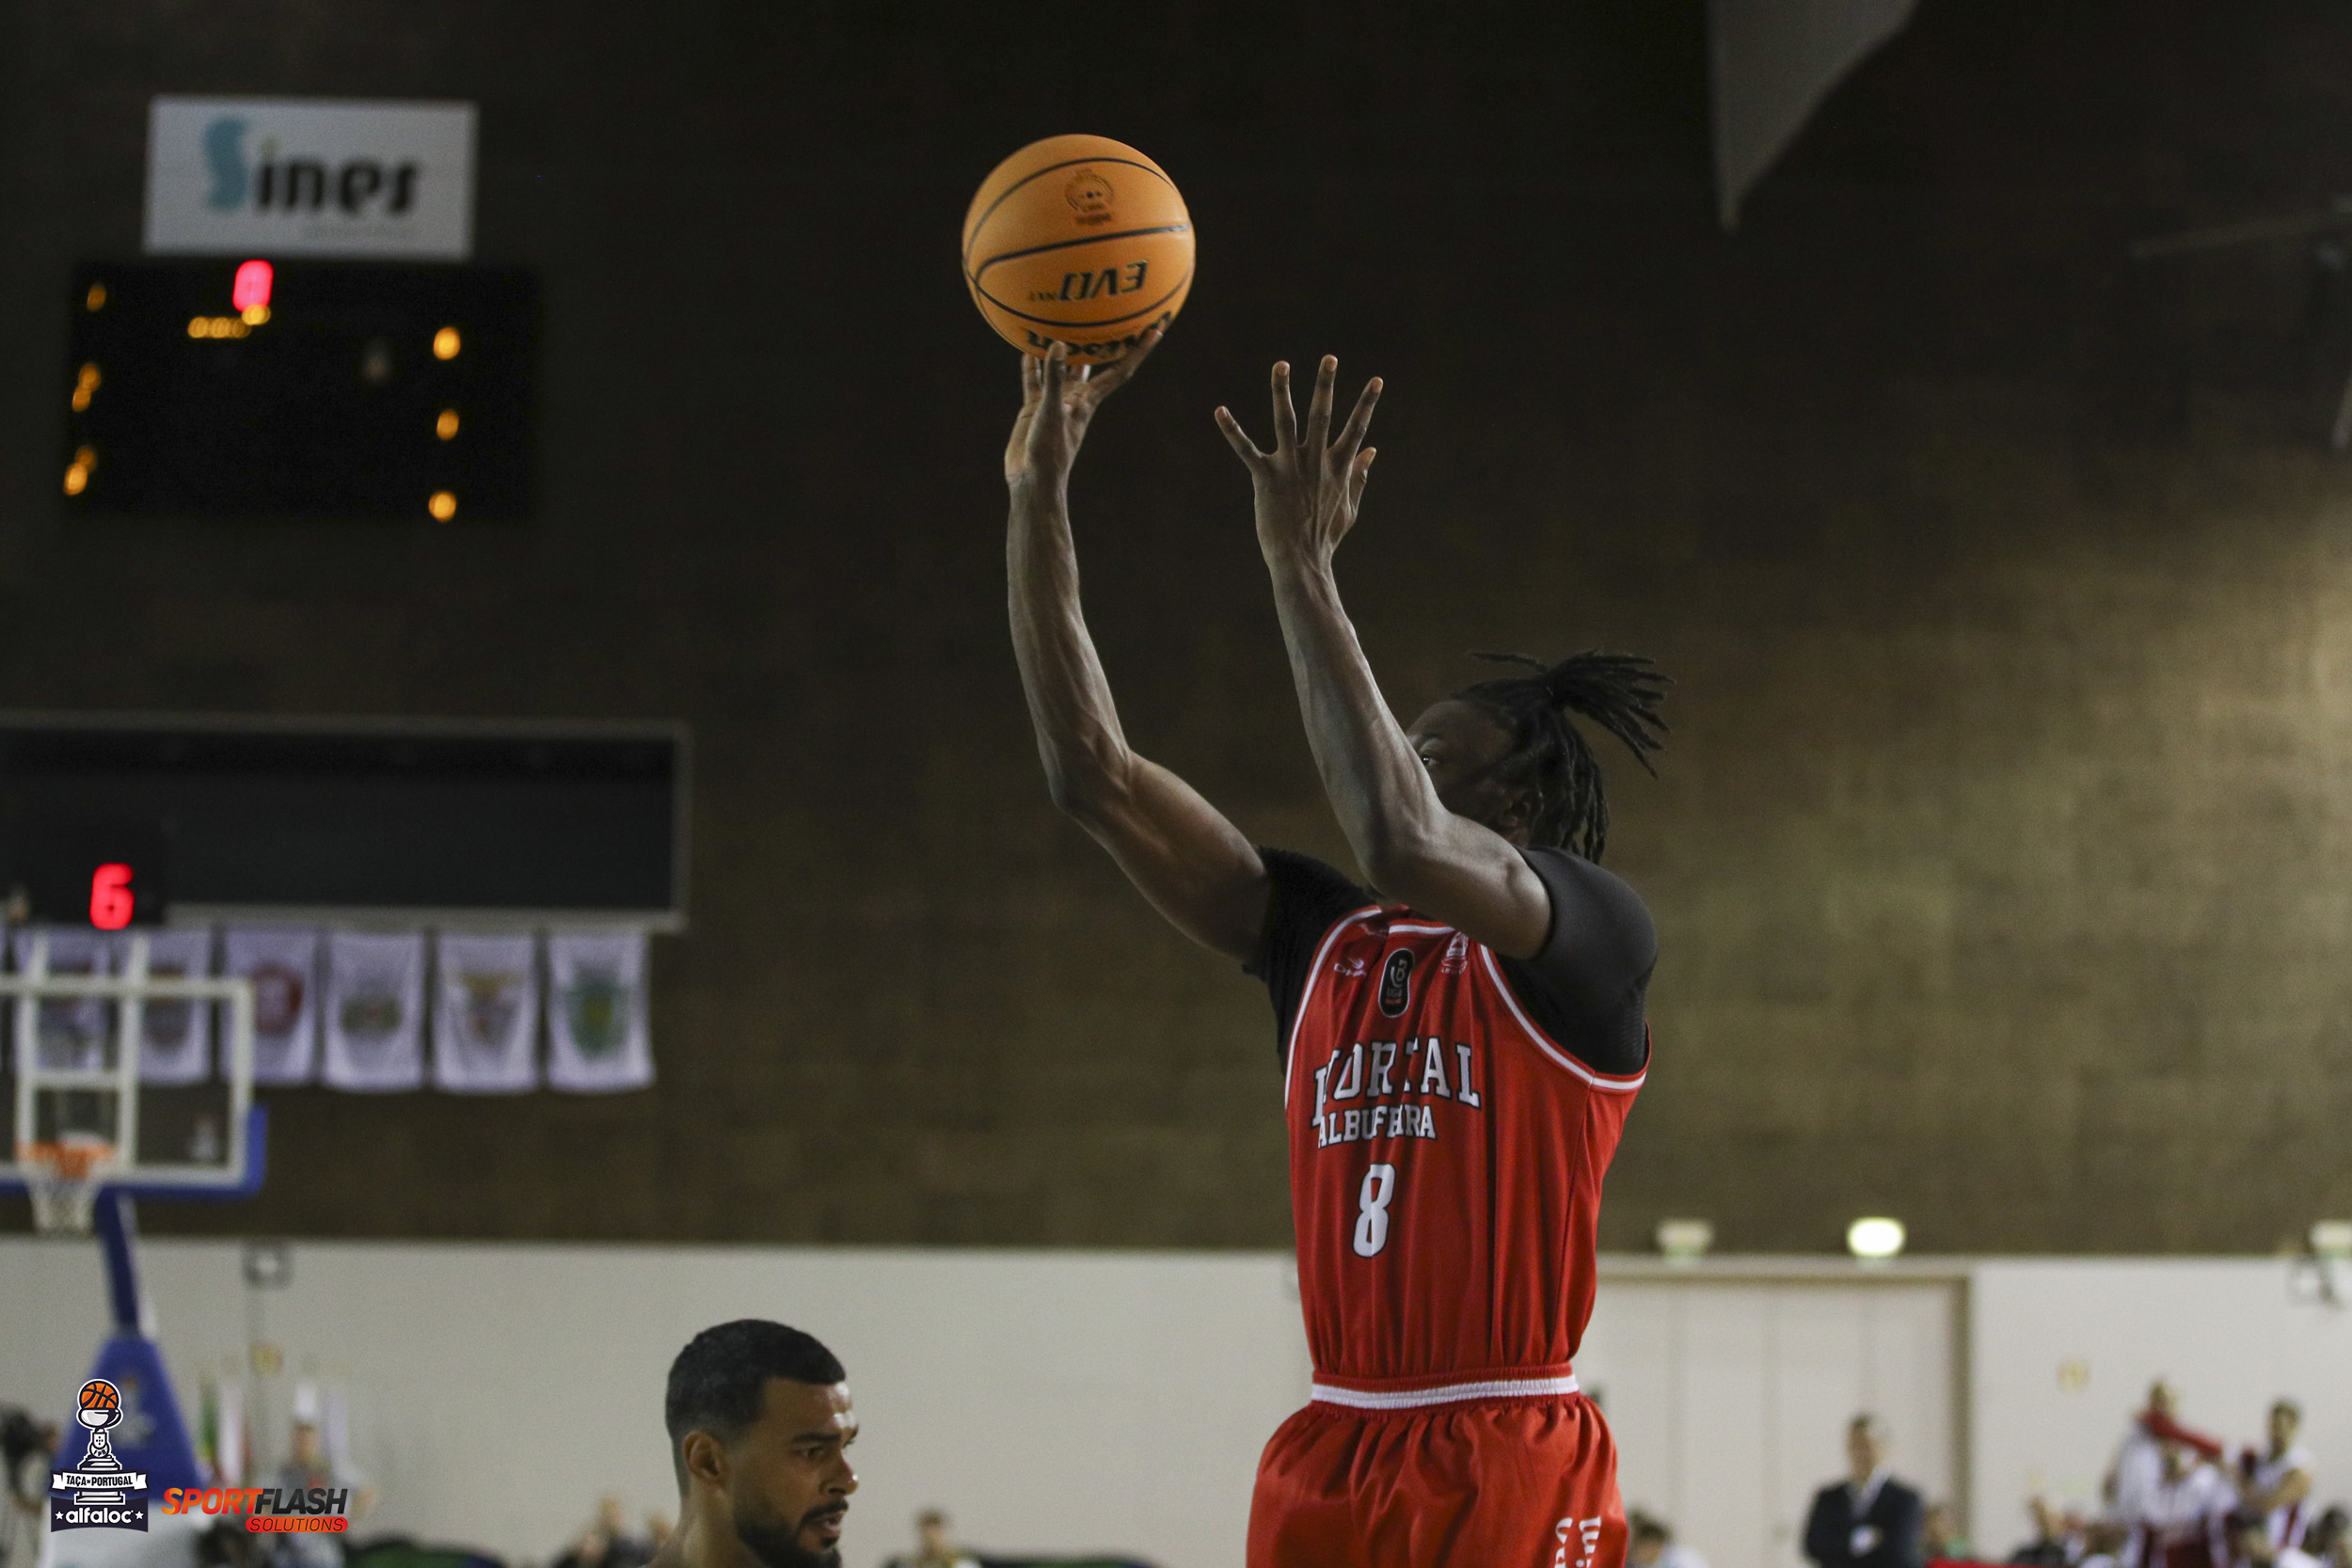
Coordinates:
x,y
1620,692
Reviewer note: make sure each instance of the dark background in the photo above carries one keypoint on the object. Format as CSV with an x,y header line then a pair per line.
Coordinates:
x,y
1997,858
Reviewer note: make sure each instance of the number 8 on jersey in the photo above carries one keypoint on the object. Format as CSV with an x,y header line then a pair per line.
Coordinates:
x,y
1372,1215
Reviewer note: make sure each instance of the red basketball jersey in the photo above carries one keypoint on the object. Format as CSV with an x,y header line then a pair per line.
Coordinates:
x,y
1446,1165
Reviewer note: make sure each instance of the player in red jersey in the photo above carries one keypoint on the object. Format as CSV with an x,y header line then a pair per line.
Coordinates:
x,y
1459,1051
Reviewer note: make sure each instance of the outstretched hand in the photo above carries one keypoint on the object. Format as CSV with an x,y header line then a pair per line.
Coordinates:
x,y
1307,492
1056,405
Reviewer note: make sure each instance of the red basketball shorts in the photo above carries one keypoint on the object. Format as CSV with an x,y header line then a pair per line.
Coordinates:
x,y
1492,1483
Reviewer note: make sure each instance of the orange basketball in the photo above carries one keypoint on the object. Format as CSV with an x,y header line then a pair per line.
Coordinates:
x,y
1078,240
97,1395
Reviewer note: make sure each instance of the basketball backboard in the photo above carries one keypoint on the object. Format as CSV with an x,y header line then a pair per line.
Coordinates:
x,y
75,1116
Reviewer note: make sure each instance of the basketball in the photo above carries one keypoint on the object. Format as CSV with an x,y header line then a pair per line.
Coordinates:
x,y
1077,240
99,1394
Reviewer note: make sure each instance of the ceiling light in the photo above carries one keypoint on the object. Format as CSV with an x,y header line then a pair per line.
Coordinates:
x,y
1685,1241
1874,1239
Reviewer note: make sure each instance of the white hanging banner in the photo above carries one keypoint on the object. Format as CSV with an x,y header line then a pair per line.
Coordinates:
x,y
68,1031
598,1040
176,1037
374,1011
282,964
1774,61
487,1022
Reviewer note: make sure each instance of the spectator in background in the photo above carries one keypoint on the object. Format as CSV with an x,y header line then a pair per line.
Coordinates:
x,y
608,1542
2329,1539
2251,1546
1939,1539
308,1464
2276,1487
2057,1542
2140,1458
933,1547
1650,1544
2103,1540
1869,1520
25,1445
2183,1522
227,1544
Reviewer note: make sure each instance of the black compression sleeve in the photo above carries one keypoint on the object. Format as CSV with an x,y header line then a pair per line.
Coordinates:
x,y
1308,898
1587,988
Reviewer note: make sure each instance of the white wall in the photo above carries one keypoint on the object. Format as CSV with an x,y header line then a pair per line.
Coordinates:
x,y
1730,1397
1066,1400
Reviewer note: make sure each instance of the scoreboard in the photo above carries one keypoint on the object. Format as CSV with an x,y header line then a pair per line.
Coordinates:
x,y
327,389
110,820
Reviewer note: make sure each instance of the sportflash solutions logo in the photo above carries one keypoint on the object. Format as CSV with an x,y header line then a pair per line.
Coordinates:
x,y
266,1509
97,1493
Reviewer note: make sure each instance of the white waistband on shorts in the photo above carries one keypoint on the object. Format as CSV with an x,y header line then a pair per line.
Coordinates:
x,y
1451,1393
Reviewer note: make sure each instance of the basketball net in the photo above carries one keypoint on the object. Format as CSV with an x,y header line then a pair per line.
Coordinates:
x,y
62,1180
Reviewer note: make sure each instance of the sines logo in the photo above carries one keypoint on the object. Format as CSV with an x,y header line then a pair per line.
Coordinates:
x,y
97,1493
269,182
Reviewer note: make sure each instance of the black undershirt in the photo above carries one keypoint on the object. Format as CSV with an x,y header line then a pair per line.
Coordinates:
x,y
1585,988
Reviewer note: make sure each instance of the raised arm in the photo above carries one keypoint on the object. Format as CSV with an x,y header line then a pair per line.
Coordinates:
x,y
1193,864
1410,843
2292,1488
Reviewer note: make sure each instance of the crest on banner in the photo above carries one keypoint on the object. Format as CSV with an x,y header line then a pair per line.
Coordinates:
x,y
486,1027
598,1040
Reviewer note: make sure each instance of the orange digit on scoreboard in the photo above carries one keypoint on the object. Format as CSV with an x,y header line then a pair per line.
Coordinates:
x,y
1078,240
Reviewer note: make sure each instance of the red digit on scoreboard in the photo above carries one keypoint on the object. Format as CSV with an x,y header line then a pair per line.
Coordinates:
x,y
251,289
110,898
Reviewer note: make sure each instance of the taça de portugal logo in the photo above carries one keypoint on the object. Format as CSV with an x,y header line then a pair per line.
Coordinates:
x,y
97,1494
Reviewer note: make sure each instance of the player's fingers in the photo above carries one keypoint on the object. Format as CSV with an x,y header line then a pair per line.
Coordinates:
x,y
1243,447
1359,422
1359,474
1051,372
1285,416
1120,370
1319,405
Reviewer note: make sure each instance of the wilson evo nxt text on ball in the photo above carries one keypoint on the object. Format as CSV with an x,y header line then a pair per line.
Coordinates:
x,y
1077,240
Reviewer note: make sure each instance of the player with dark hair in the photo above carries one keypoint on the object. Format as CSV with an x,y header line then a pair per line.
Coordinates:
x,y
1459,1049
759,1425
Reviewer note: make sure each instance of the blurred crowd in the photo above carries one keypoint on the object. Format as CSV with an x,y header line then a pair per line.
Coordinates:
x,y
613,1540
2176,1498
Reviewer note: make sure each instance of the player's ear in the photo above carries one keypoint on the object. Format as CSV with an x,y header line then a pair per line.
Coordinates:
x,y
1518,816
707,1459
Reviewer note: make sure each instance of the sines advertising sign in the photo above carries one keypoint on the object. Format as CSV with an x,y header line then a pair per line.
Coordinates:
x,y
310,177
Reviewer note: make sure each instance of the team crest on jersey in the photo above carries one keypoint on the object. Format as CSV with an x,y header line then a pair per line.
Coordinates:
x,y
1396,982
1456,956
